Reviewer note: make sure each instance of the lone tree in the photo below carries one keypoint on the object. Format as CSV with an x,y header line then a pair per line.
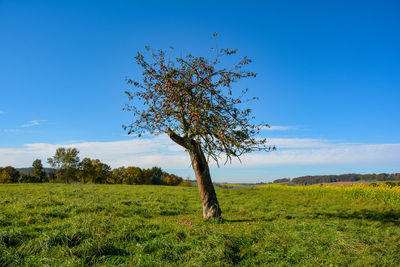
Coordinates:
x,y
38,172
192,100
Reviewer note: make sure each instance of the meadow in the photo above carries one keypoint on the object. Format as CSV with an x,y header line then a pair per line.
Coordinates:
x,y
127,225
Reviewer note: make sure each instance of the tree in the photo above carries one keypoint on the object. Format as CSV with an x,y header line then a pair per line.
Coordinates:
x,y
85,170
118,175
38,172
94,171
192,100
102,172
66,162
172,179
9,175
133,175
154,176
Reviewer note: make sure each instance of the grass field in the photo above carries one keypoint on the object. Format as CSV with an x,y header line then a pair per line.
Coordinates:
x,y
69,225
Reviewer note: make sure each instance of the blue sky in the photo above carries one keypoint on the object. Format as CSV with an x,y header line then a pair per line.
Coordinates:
x,y
328,80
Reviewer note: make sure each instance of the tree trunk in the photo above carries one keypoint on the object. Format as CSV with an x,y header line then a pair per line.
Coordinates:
x,y
200,166
211,207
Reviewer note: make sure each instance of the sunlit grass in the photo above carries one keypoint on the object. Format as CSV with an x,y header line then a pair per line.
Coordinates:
x,y
54,224
382,193
226,185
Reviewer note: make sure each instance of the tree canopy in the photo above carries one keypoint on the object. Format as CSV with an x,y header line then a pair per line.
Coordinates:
x,y
64,157
192,98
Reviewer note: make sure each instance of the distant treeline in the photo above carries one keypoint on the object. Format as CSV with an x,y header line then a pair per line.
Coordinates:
x,y
351,177
96,175
67,168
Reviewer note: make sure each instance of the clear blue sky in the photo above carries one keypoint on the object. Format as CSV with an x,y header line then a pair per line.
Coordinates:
x,y
328,79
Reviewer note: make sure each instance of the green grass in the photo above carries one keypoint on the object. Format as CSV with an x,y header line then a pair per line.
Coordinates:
x,y
229,186
69,225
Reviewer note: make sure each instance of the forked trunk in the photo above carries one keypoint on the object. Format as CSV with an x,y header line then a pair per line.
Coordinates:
x,y
211,207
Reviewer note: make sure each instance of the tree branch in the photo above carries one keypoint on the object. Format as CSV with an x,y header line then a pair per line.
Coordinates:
x,y
182,141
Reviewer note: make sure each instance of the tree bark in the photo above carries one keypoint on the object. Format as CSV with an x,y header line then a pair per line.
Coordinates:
x,y
211,207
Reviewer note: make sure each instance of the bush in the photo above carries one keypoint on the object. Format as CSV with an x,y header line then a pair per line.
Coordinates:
x,y
185,183
391,184
27,178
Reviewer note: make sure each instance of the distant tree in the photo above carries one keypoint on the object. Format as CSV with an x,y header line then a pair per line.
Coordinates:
x,y
85,170
94,171
102,172
118,175
146,176
51,176
64,157
155,176
186,183
66,162
172,179
27,178
9,175
38,172
381,177
133,175
345,178
192,100
283,180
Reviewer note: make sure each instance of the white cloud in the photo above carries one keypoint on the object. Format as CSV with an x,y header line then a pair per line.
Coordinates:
x,y
1,112
160,151
33,123
338,154
145,152
305,143
11,130
278,128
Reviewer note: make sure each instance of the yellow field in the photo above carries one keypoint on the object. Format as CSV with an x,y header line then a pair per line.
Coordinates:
x,y
390,195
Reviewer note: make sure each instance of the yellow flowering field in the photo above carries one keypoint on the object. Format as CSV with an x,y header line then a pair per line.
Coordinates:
x,y
385,193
